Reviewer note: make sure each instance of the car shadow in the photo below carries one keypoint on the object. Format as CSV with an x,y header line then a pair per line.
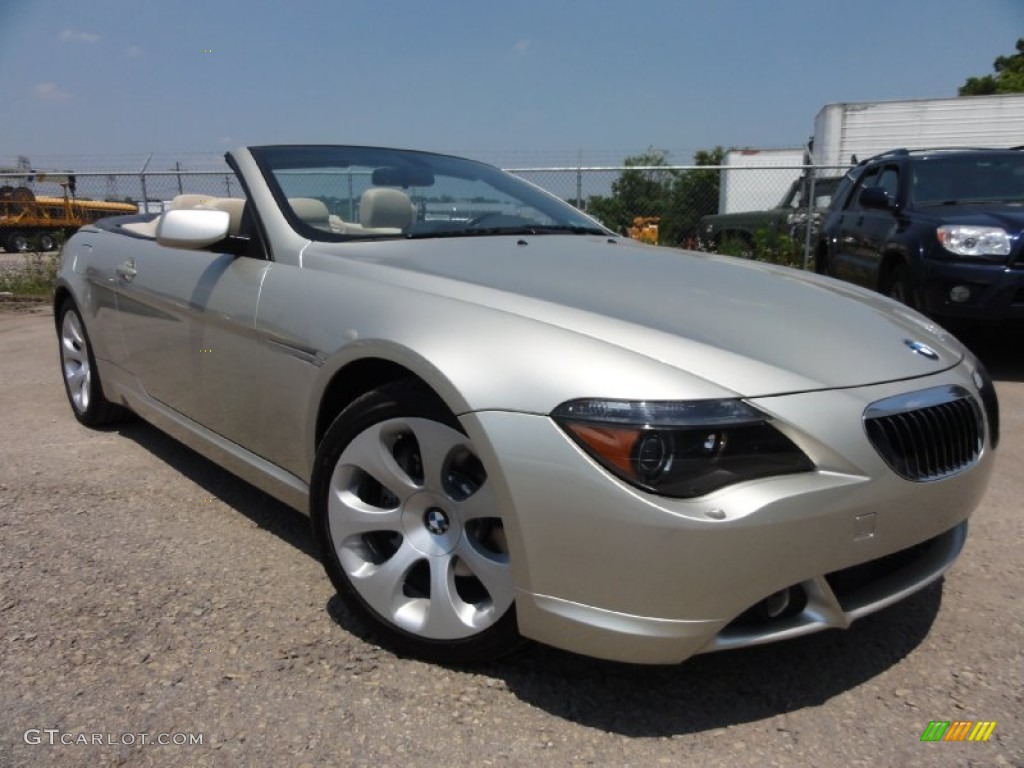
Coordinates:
x,y
264,510
704,693
720,689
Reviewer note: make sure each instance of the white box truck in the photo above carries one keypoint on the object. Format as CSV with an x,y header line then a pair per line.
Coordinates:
x,y
755,179
843,132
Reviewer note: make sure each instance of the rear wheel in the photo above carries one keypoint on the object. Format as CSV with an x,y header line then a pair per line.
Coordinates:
x,y
47,242
407,527
78,366
17,242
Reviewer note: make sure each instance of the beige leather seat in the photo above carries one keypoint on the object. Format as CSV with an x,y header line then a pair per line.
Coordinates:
x,y
234,206
312,211
385,208
189,200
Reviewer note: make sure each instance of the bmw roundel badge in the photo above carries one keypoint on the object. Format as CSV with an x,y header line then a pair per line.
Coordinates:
x,y
922,349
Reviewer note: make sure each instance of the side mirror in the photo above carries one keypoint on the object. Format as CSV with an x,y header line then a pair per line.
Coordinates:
x,y
875,197
192,228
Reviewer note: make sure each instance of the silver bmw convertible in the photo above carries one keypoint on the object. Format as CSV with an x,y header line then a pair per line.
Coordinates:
x,y
505,421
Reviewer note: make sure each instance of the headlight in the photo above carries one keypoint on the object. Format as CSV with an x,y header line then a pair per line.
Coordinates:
x,y
964,240
680,449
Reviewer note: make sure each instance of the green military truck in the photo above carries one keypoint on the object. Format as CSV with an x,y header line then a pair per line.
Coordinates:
x,y
740,230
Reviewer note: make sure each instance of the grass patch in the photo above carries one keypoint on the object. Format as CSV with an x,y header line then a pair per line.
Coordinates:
x,y
34,278
765,245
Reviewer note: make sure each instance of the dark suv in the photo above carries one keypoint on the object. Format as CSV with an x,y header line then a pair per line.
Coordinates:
x,y
940,230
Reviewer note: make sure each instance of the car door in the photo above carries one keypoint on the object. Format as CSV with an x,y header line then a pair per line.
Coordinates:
x,y
848,227
188,321
102,266
876,229
848,248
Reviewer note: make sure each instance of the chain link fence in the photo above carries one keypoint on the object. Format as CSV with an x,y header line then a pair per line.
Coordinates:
x,y
759,213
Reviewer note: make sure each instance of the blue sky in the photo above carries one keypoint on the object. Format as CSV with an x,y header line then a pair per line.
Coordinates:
x,y
521,82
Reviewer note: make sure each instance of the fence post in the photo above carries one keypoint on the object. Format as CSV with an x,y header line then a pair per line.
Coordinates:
x,y
142,180
810,217
579,181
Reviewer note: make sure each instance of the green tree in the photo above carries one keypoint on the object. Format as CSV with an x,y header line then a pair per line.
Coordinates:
x,y
642,190
1009,76
694,194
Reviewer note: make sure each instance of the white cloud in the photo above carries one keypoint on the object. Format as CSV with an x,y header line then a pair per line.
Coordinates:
x,y
133,51
522,46
78,36
49,92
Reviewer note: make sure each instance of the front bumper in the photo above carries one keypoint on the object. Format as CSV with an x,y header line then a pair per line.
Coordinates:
x,y
996,290
609,571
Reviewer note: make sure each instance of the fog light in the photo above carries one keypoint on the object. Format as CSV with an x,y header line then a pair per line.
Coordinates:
x,y
774,605
959,294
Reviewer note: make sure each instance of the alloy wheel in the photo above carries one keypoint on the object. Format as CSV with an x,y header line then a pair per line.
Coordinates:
x,y
412,519
74,356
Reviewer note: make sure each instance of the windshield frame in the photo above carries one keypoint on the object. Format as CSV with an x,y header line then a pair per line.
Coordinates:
x,y
273,160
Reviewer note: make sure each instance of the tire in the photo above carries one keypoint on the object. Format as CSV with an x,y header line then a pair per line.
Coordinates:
x,y
895,286
17,242
47,242
406,526
822,263
78,369
735,243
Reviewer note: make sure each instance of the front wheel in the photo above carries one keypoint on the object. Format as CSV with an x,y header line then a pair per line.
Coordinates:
x,y
406,523
78,367
895,286
822,264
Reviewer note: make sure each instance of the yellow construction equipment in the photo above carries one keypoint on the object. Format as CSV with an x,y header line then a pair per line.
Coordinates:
x,y
645,229
30,222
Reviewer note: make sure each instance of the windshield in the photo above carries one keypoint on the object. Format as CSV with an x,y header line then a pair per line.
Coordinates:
x,y
796,197
981,178
352,193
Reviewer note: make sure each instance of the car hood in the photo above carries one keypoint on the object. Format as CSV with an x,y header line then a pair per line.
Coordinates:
x,y
753,328
1009,216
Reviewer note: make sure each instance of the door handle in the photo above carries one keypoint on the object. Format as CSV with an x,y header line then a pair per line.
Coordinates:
x,y
127,270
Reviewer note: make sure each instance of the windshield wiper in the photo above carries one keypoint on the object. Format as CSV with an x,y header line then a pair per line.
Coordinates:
x,y
991,201
550,229
567,229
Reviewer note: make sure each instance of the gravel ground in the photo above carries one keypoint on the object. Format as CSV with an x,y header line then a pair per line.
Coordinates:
x,y
144,591
13,263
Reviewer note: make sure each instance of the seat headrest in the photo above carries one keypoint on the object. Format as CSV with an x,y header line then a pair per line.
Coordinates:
x,y
312,211
383,207
189,200
235,206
